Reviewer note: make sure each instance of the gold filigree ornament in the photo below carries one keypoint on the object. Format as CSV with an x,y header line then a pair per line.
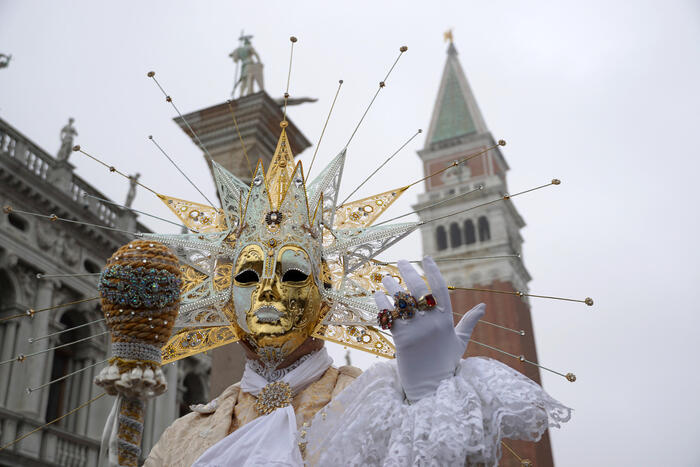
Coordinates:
x,y
272,397
276,211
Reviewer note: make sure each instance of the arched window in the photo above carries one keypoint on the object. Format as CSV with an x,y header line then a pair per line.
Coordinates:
x,y
441,238
455,235
71,391
484,231
469,232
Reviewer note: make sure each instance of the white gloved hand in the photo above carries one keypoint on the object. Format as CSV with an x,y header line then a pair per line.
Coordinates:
x,y
428,347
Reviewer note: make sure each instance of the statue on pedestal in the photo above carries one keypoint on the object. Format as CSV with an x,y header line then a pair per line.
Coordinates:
x,y
5,60
251,67
133,181
68,133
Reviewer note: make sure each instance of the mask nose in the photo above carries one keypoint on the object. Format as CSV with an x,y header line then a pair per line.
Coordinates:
x,y
269,292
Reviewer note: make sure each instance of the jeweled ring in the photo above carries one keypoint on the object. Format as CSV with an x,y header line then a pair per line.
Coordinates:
x,y
385,318
426,302
405,305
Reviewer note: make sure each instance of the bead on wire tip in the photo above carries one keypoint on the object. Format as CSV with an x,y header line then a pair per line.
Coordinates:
x,y
403,48
382,84
420,130
506,196
150,136
588,301
340,81
76,148
284,124
7,209
571,377
522,358
30,312
501,142
286,95
556,181
53,217
38,275
21,358
526,463
151,74
293,39
522,333
168,98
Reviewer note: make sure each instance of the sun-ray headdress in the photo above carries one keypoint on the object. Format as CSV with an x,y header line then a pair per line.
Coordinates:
x,y
341,236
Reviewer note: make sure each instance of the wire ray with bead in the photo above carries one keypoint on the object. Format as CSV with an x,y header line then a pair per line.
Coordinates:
x,y
39,428
54,218
30,390
152,75
179,169
323,131
382,84
22,357
381,165
31,312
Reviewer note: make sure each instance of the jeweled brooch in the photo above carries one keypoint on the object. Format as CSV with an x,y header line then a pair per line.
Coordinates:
x,y
273,396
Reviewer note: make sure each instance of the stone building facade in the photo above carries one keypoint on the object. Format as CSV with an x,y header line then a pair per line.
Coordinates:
x,y
34,181
457,129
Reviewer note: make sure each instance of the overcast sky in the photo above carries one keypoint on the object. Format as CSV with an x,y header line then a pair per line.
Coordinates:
x,y
603,95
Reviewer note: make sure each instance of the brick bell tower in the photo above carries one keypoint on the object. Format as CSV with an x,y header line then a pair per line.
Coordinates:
x,y
457,129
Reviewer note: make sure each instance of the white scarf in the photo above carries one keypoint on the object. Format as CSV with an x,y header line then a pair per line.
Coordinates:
x,y
269,440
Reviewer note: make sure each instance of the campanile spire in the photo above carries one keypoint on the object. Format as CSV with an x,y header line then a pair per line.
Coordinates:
x,y
456,112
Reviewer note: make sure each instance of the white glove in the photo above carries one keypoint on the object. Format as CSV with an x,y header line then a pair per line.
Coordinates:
x,y
428,347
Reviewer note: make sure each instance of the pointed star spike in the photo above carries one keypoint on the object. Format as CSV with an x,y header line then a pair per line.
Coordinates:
x,y
327,185
295,189
231,189
357,246
197,217
280,171
363,212
258,202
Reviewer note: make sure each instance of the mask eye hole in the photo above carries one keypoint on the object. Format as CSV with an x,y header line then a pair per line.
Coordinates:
x,y
247,277
294,275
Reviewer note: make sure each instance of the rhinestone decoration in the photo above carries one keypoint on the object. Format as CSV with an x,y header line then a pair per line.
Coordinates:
x,y
139,287
273,217
385,319
405,305
273,396
426,302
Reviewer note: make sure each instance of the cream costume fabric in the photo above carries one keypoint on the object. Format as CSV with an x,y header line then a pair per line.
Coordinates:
x,y
190,436
367,421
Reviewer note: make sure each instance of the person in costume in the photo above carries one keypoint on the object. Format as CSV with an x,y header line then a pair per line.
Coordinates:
x,y
281,269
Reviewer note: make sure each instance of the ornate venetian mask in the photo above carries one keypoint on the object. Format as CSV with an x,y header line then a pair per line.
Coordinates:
x,y
277,308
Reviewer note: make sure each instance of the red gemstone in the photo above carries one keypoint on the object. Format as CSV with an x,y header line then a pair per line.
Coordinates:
x,y
430,300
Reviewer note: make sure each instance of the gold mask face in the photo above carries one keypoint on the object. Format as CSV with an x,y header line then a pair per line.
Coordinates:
x,y
278,311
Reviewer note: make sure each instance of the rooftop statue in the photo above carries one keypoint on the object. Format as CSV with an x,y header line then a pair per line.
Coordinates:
x,y
5,60
68,133
251,68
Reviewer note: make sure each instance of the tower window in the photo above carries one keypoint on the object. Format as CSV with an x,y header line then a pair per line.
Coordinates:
x,y
469,232
455,235
441,238
484,230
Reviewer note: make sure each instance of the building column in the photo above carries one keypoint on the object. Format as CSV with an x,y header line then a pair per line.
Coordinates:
x,y
85,383
8,351
33,404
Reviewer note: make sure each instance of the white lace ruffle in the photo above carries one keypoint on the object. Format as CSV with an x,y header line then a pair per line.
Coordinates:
x,y
370,423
